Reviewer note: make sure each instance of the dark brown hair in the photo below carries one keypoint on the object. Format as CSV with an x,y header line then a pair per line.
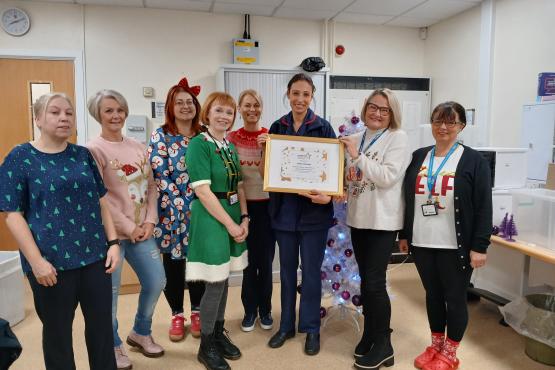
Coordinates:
x,y
448,111
300,77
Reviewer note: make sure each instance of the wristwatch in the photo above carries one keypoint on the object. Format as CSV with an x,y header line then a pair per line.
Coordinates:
x,y
245,216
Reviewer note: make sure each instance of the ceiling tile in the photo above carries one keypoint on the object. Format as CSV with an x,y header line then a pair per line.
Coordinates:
x,y
317,5
362,18
314,14
252,9
136,3
412,22
439,9
54,1
389,7
193,5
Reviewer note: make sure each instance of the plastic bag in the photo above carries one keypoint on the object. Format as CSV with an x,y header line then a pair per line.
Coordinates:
x,y
313,64
532,316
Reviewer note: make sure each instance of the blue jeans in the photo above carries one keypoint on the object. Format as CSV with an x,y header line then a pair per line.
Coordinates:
x,y
144,258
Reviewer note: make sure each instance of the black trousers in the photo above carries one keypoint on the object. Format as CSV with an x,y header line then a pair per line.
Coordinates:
x,y
256,290
175,285
91,287
373,250
445,284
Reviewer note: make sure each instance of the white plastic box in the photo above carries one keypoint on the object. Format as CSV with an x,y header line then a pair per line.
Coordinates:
x,y
534,215
12,291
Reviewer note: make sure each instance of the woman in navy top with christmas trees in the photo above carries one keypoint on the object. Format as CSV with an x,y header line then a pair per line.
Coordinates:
x,y
53,194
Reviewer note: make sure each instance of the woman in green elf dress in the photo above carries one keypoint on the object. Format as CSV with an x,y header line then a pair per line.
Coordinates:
x,y
219,225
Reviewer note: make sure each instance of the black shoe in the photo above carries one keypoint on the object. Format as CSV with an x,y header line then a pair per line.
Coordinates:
x,y
312,344
223,344
366,341
380,354
208,354
280,337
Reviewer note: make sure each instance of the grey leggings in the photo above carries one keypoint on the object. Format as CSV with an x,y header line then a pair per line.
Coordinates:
x,y
212,306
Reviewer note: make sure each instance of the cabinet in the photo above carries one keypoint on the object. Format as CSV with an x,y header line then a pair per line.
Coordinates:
x,y
538,129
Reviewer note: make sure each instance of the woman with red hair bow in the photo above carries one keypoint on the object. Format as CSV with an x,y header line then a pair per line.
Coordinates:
x,y
167,148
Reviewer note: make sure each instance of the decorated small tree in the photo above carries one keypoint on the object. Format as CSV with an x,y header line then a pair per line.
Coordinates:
x,y
510,230
503,225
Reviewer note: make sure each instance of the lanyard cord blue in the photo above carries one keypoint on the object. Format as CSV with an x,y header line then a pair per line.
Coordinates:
x,y
371,142
433,177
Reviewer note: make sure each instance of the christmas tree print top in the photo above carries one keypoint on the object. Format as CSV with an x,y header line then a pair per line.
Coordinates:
x,y
59,196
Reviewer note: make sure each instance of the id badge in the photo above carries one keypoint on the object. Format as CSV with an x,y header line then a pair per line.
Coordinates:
x,y
429,209
233,198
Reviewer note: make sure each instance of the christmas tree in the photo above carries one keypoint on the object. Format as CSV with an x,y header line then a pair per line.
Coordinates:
x,y
510,230
340,278
503,225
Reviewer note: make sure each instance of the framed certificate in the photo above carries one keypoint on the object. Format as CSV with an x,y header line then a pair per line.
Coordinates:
x,y
296,164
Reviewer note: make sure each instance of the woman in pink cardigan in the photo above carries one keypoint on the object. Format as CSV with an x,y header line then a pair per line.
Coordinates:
x,y
133,195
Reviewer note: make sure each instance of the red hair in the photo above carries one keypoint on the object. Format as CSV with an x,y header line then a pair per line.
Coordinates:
x,y
169,125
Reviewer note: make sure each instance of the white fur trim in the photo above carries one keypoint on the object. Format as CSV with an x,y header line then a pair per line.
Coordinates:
x,y
197,271
200,182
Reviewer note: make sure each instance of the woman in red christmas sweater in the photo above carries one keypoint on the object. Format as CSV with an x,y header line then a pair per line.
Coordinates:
x,y
256,292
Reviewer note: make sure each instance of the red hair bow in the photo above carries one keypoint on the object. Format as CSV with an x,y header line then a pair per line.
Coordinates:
x,y
195,90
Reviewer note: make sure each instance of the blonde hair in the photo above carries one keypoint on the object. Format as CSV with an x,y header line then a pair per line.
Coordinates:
x,y
94,102
252,93
394,106
217,98
44,101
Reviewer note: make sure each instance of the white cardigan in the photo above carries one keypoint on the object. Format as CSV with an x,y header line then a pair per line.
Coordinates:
x,y
376,201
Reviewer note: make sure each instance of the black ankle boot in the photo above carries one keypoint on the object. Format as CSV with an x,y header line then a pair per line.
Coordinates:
x,y
380,354
223,343
366,341
209,355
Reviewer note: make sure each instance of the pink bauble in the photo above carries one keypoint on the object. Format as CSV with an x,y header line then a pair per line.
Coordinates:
x,y
337,267
348,252
355,120
342,129
335,286
356,300
323,312
345,295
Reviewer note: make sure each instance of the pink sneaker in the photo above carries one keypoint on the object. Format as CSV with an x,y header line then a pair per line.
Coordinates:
x,y
195,324
122,360
177,328
145,344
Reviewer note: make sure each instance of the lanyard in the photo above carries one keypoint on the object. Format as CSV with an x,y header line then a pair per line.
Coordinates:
x,y
371,142
433,177
227,158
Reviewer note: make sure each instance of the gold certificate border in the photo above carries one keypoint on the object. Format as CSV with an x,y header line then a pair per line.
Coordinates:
x,y
267,163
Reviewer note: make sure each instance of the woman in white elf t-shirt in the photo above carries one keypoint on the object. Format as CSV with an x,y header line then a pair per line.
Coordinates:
x,y
447,225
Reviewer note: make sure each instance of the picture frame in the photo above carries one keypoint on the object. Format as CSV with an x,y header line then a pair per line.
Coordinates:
x,y
299,164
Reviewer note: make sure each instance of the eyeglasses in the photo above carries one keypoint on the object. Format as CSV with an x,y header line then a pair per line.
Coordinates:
x,y
373,108
448,124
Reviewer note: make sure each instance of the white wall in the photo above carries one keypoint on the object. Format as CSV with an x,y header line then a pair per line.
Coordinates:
x,y
127,48
451,56
524,47
378,51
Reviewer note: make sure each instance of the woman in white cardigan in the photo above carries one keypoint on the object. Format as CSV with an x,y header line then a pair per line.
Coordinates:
x,y
376,162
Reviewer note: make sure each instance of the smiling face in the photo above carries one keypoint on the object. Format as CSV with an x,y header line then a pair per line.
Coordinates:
x,y
378,113
446,128
57,120
184,107
112,115
220,117
250,110
300,97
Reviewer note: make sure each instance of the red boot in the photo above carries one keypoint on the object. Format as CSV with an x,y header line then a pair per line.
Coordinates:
x,y
195,324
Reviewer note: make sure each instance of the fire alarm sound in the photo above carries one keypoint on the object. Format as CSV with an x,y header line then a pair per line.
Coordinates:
x,y
339,49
